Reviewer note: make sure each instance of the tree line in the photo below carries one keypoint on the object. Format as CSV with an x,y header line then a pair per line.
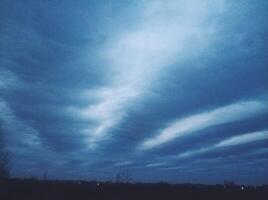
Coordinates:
x,y
4,158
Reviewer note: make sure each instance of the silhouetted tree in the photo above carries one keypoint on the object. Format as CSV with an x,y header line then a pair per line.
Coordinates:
x,y
4,158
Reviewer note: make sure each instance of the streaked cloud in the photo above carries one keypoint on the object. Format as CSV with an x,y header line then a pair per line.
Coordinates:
x,y
111,101
157,164
135,58
124,163
245,138
87,83
190,125
233,141
29,137
173,168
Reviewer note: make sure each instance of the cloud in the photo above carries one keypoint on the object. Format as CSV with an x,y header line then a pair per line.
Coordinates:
x,y
107,113
174,168
125,163
8,80
29,137
158,164
122,70
233,141
136,58
242,139
190,125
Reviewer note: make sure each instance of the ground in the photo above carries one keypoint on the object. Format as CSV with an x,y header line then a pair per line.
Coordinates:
x,y
64,190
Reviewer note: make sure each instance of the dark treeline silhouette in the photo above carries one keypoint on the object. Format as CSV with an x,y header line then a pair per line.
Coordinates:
x,y
4,158
32,189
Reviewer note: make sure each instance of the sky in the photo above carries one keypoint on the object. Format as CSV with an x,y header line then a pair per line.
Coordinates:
x,y
172,91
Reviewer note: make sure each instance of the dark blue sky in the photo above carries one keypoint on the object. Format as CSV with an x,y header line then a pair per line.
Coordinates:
x,y
163,90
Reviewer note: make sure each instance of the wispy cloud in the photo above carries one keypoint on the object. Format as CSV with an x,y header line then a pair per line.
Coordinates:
x,y
89,78
125,163
8,80
226,114
245,138
105,114
135,58
29,137
233,141
151,165
158,164
8,120
174,168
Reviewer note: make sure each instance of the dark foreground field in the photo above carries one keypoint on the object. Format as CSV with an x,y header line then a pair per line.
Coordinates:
x,y
65,190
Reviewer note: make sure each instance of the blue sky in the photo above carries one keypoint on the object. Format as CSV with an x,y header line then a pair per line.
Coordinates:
x,y
170,91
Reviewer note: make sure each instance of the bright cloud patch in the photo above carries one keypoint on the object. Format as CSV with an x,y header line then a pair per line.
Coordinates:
x,y
192,124
137,57
233,141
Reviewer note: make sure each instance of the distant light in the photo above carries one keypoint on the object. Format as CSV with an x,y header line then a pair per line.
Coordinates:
x,y
242,188
98,184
